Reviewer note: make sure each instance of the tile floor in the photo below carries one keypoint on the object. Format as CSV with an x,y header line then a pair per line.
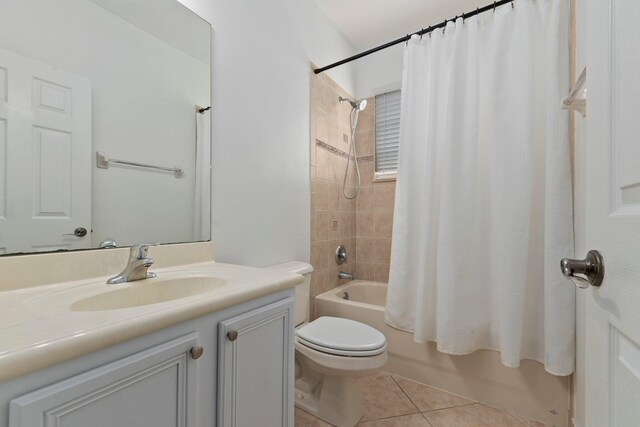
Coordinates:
x,y
394,401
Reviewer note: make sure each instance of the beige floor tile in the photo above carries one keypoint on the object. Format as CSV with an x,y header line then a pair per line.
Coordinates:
x,y
383,398
529,423
429,398
475,415
415,420
305,419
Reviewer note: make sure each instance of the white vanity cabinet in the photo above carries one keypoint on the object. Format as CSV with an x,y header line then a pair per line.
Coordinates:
x,y
158,380
155,387
255,366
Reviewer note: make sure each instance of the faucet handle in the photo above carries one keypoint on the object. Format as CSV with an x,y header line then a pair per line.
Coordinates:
x,y
140,250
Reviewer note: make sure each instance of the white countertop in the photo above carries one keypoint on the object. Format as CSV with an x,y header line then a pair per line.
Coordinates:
x,y
39,327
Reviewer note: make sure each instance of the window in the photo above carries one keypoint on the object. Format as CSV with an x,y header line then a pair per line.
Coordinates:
x,y
387,134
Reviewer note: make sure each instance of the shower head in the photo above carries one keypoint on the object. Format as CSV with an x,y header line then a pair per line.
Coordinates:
x,y
356,104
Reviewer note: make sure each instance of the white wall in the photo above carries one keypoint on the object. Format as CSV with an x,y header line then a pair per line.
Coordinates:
x,y
380,72
144,93
261,94
323,42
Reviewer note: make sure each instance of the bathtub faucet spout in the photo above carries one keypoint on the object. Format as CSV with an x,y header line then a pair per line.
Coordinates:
x,y
343,275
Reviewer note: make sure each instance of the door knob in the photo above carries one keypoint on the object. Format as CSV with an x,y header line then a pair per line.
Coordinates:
x,y
232,335
78,232
584,272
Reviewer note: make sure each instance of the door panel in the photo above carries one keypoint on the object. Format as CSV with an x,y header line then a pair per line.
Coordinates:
x,y
255,375
45,156
613,213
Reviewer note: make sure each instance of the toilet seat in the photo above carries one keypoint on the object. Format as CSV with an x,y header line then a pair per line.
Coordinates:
x,y
342,337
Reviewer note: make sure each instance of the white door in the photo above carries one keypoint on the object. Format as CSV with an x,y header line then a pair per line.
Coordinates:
x,y
613,213
45,156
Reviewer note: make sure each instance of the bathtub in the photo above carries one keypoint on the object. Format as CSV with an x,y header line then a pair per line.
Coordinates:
x,y
528,391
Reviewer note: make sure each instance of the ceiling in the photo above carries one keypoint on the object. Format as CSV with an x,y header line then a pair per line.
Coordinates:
x,y
368,23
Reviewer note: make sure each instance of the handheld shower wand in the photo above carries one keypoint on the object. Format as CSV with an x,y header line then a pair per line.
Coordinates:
x,y
357,106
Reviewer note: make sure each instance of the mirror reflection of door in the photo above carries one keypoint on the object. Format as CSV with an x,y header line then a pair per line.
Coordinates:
x,y
127,79
45,139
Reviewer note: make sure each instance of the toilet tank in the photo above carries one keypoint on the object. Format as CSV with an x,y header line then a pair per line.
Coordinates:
x,y
302,290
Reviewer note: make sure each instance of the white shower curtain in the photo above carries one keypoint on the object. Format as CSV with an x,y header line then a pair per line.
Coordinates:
x,y
483,209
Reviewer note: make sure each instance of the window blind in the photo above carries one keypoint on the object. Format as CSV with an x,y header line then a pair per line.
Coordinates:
x,y
387,132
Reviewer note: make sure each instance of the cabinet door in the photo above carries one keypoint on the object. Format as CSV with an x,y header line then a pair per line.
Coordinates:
x,y
255,368
154,388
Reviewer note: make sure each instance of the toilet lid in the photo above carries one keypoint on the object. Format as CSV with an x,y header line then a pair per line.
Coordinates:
x,y
342,336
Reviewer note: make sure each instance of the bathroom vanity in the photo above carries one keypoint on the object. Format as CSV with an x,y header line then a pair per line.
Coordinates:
x,y
80,353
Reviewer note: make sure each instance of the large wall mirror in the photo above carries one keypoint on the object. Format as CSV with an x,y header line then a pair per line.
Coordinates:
x,y
104,126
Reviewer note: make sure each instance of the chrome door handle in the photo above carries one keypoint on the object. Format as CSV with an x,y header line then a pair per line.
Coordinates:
x,y
78,232
584,272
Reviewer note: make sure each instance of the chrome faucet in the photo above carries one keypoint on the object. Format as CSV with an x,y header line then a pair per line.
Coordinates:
x,y
343,275
137,266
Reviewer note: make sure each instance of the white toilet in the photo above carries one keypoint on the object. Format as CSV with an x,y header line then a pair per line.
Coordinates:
x,y
331,353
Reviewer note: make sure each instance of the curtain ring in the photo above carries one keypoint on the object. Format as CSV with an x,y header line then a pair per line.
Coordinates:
x,y
511,4
494,6
406,43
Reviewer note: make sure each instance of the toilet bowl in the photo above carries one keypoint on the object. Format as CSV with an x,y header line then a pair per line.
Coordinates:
x,y
331,353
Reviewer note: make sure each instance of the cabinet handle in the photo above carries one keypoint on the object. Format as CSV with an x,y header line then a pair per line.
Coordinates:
x,y
196,352
232,335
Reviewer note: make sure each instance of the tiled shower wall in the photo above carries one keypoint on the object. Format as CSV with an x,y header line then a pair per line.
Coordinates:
x,y
374,207
362,225
333,217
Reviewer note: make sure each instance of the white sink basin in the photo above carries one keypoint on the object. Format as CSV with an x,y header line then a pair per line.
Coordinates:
x,y
150,291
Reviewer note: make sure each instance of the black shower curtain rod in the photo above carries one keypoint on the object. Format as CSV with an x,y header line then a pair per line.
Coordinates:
x,y
478,11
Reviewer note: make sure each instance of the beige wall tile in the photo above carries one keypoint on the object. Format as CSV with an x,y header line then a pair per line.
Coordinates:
x,y
365,143
334,192
365,200
364,271
382,252
367,119
369,251
337,164
322,164
321,191
381,273
350,246
347,224
348,205
365,224
322,225
385,193
365,250
323,125
367,170
383,224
